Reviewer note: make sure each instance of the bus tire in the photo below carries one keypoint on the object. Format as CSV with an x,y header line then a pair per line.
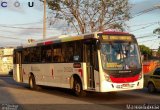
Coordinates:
x,y
151,87
32,83
77,87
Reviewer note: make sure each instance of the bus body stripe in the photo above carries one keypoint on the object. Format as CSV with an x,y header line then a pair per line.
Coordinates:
x,y
48,42
81,72
124,80
52,73
24,71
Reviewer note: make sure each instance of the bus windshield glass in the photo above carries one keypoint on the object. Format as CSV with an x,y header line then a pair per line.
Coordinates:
x,y
120,55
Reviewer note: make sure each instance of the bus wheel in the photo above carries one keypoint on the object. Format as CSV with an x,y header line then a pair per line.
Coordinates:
x,y
78,88
32,83
151,88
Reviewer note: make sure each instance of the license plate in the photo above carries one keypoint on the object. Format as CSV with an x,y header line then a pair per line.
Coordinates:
x,y
125,85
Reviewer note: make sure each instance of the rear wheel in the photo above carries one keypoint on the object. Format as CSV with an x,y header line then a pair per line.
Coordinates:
x,y
151,88
78,88
32,83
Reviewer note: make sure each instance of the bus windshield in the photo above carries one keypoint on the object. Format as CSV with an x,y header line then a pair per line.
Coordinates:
x,y
120,56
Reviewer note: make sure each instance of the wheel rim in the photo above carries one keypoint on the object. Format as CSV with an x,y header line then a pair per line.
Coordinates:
x,y
77,88
31,83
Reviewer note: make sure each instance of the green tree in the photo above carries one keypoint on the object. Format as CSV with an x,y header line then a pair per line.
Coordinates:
x,y
156,31
91,15
146,51
158,52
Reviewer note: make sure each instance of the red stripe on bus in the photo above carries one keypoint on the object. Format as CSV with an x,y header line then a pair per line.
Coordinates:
x,y
81,72
24,72
48,42
52,73
124,80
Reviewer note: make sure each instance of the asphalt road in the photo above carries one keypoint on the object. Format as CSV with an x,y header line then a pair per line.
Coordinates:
x,y
19,96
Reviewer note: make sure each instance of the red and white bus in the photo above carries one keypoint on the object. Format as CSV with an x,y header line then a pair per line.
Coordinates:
x,y
101,62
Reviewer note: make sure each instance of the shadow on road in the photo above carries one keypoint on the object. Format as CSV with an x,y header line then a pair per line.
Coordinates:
x,y
92,97
104,99
125,97
7,100
8,81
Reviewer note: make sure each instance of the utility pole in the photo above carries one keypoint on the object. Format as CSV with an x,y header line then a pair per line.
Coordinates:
x,y
44,21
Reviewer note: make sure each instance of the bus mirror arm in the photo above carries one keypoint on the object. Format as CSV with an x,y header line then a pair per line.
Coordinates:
x,y
98,44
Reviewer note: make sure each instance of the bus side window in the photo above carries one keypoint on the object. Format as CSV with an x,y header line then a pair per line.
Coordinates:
x,y
95,60
68,52
37,54
32,55
43,56
77,51
57,54
26,55
46,54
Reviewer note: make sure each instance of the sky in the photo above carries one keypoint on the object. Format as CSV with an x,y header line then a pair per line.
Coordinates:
x,y
143,25
18,24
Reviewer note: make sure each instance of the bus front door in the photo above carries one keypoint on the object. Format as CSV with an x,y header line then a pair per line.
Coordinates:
x,y
19,66
88,58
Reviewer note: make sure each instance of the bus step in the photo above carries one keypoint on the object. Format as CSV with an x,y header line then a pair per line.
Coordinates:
x,y
91,89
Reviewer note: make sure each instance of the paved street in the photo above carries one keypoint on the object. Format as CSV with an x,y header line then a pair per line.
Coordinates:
x,y
49,98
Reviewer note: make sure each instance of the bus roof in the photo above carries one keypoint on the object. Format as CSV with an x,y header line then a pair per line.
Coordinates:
x,y
115,33
67,38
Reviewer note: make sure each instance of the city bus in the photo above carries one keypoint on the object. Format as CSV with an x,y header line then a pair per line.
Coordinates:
x,y
106,61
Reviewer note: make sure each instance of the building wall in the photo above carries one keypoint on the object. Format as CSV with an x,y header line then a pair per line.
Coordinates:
x,y
6,60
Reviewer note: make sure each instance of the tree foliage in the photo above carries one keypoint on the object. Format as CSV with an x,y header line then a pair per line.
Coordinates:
x,y
158,52
91,15
157,31
146,51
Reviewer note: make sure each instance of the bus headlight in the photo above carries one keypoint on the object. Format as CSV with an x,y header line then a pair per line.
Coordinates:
x,y
140,76
107,77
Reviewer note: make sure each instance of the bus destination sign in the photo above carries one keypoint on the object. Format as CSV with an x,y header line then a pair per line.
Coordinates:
x,y
114,37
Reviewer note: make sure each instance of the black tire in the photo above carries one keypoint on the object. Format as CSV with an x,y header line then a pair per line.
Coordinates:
x,y
32,83
78,88
151,88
